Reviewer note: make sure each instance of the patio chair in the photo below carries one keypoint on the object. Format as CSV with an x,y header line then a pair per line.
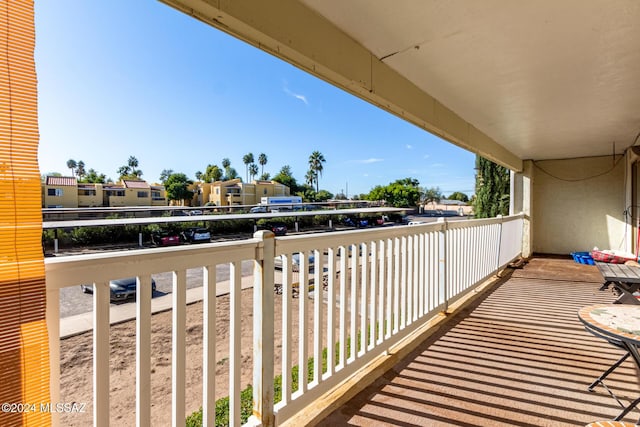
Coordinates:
x,y
613,367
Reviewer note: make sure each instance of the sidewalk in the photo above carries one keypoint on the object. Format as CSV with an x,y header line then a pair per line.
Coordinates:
x,y
79,323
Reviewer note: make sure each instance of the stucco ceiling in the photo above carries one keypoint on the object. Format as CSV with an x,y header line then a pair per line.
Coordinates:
x,y
545,78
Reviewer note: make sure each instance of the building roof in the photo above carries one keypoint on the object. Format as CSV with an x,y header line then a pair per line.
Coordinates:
x,y
67,181
135,184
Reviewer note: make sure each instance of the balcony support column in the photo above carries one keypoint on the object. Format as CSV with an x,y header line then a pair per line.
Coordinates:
x,y
521,200
263,330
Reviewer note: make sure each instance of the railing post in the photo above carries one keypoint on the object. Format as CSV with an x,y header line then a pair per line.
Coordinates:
x,y
500,217
442,265
263,333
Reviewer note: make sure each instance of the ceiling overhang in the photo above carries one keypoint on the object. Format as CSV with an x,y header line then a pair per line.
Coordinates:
x,y
508,80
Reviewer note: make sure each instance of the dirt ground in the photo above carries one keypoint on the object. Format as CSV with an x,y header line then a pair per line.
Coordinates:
x,y
76,362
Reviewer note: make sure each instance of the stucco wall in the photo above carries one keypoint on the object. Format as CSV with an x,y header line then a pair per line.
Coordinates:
x,y
574,209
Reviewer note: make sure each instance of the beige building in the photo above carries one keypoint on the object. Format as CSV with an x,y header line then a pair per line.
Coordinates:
x,y
236,192
60,192
67,192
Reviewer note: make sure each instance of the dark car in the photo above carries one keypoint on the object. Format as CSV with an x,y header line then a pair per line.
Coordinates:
x,y
165,238
196,235
121,289
278,228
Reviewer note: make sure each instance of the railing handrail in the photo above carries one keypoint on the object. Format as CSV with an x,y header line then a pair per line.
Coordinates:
x,y
68,271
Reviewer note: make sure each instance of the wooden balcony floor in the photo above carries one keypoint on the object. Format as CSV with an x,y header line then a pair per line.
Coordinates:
x,y
519,356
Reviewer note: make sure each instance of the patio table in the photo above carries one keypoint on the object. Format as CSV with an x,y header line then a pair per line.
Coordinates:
x,y
625,279
620,322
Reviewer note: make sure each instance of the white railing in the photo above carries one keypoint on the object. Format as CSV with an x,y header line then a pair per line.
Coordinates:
x,y
355,295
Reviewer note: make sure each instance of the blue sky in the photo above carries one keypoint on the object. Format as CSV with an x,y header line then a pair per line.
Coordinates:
x,y
124,78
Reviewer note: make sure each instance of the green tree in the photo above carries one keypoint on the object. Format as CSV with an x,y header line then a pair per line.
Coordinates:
x,y
94,177
253,170
400,193
176,187
165,174
199,175
323,196
265,176
212,174
286,177
80,170
459,196
72,164
432,195
130,170
262,160
247,159
492,189
229,172
316,160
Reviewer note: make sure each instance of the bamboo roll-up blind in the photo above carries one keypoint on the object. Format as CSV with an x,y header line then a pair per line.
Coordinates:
x,y
24,352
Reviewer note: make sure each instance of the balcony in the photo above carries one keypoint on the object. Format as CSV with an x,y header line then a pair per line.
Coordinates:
x,y
510,351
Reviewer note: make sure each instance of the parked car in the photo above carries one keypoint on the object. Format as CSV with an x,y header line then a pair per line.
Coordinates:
x,y
258,209
362,222
196,235
295,262
120,289
165,238
278,228
195,212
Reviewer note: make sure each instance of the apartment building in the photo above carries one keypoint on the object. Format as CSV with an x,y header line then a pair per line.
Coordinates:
x,y
67,192
236,192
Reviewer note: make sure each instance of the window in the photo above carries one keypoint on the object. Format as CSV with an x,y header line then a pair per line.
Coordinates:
x,y
143,194
86,192
218,190
54,192
118,193
264,191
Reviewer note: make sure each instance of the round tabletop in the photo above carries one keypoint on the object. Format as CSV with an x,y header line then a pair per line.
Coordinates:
x,y
621,321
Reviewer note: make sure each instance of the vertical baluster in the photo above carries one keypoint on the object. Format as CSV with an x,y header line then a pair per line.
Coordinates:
x,y
209,346
355,276
235,351
303,322
143,350
364,279
318,318
373,323
101,300
403,282
287,333
344,275
382,263
409,278
416,270
396,286
331,309
179,314
421,276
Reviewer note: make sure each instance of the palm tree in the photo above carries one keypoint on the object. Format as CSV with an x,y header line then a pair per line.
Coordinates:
x,y
199,176
316,159
247,159
262,159
253,170
71,164
80,170
310,177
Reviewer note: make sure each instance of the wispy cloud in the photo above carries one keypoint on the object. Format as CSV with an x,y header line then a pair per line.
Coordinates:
x,y
294,95
426,156
368,161
409,146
